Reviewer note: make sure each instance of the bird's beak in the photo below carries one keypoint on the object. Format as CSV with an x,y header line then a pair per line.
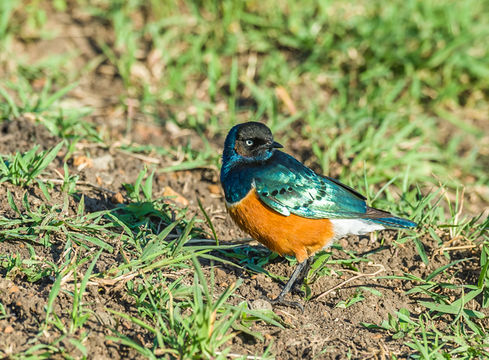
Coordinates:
x,y
276,145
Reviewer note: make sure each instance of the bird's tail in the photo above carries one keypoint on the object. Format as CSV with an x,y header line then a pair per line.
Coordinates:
x,y
394,222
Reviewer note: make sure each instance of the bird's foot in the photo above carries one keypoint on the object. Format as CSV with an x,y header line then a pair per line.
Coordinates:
x,y
279,300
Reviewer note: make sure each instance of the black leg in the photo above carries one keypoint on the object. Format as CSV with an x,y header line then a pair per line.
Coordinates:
x,y
299,273
296,288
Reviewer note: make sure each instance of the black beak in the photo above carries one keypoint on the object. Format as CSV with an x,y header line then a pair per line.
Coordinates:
x,y
276,145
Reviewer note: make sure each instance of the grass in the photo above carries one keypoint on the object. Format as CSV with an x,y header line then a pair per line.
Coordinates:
x,y
22,169
390,97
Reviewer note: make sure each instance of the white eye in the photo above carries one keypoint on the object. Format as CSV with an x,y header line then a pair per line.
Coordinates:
x,y
249,142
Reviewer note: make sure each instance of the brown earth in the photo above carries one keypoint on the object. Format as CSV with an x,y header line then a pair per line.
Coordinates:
x,y
323,331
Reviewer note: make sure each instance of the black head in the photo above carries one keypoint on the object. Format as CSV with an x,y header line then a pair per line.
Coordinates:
x,y
254,140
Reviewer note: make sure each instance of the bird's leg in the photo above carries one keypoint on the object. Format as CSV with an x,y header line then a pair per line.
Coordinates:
x,y
296,288
299,273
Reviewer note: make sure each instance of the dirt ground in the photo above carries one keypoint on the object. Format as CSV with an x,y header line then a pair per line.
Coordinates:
x,y
322,331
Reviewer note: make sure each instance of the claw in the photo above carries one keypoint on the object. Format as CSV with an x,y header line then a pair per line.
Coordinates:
x,y
279,300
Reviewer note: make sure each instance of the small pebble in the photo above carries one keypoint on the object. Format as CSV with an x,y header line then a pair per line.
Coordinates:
x,y
117,198
260,304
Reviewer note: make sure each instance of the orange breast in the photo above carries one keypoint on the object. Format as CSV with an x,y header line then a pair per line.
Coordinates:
x,y
290,235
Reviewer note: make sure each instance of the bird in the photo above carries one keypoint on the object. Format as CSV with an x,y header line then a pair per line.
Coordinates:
x,y
288,207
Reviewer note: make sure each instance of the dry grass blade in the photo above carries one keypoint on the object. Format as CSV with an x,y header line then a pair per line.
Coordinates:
x,y
360,275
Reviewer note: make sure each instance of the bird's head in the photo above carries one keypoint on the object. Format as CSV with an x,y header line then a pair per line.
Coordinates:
x,y
249,142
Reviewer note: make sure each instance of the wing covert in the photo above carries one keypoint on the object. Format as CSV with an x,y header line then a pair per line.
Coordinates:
x,y
289,187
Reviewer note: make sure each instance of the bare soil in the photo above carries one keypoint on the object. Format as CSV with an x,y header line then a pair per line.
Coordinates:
x,y
323,330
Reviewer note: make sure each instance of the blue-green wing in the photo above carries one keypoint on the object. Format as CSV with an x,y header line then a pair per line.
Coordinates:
x,y
289,187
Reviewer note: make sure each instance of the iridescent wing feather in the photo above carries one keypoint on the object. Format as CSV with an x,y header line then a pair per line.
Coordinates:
x,y
289,187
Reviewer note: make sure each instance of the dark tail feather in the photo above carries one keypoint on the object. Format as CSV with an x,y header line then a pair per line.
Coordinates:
x,y
387,219
395,222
